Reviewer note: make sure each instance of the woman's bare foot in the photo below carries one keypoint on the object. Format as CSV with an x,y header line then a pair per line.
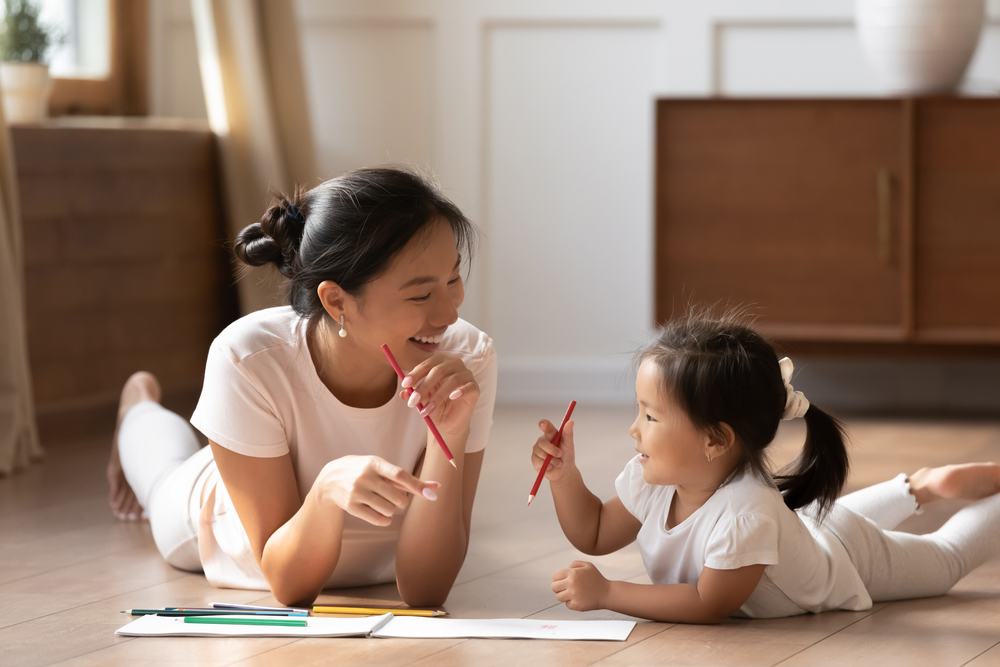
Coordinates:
x,y
141,386
969,481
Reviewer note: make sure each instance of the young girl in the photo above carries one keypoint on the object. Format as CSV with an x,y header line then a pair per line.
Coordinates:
x,y
315,476
720,534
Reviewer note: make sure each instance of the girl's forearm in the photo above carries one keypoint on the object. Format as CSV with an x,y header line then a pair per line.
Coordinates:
x,y
300,556
669,603
434,537
579,512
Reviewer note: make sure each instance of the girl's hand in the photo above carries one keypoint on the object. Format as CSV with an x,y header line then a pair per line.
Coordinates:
x,y
563,457
371,488
581,587
447,390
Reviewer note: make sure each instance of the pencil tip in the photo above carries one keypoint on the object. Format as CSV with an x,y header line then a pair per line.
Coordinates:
x,y
452,462
530,498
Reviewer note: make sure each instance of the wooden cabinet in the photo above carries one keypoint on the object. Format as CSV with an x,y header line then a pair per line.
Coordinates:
x,y
843,220
125,262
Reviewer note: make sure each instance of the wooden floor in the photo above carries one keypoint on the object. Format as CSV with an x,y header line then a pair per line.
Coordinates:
x,y
67,569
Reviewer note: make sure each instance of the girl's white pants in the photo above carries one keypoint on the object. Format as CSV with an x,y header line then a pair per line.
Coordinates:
x,y
894,565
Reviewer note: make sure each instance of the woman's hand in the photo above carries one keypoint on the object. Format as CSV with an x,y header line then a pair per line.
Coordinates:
x,y
371,488
563,457
447,390
581,587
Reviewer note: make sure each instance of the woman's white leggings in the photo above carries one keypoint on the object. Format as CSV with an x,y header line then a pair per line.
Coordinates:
x,y
167,467
896,566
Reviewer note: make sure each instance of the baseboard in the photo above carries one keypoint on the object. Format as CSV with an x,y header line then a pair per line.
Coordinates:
x,y
95,416
948,387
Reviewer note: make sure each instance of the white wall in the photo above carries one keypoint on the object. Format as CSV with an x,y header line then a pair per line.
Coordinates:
x,y
537,118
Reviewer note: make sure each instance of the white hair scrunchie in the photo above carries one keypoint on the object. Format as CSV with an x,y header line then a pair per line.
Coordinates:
x,y
796,403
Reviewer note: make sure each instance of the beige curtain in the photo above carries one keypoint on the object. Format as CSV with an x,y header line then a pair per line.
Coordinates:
x,y
18,431
251,71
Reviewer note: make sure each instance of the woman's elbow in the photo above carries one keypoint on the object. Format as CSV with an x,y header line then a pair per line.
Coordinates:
x,y
591,549
423,591
424,598
293,596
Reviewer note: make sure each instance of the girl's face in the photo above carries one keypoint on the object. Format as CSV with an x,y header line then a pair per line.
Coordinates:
x,y
410,306
672,449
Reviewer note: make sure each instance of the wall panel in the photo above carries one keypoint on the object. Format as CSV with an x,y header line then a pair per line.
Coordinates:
x,y
791,60
569,146
371,87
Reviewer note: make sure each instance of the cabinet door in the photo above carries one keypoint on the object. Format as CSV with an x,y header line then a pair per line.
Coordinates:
x,y
957,210
775,204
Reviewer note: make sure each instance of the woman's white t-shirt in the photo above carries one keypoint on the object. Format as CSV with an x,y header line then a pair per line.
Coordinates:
x,y
745,522
262,397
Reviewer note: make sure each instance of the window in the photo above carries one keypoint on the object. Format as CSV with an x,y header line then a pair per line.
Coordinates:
x,y
85,27
100,66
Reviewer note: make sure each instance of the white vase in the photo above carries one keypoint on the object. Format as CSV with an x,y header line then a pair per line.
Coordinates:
x,y
919,47
26,89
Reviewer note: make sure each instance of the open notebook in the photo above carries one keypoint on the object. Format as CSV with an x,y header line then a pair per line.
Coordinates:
x,y
387,625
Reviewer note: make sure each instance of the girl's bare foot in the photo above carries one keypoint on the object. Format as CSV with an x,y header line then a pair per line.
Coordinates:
x,y
969,481
141,386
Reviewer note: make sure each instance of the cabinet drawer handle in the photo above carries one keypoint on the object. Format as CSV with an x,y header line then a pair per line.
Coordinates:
x,y
883,223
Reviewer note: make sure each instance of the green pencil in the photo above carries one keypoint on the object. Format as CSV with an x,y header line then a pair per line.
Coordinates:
x,y
228,620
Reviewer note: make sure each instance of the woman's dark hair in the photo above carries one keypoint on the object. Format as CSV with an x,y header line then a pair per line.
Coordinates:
x,y
347,230
723,372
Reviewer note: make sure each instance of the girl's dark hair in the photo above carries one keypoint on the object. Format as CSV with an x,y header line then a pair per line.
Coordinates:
x,y
723,372
347,230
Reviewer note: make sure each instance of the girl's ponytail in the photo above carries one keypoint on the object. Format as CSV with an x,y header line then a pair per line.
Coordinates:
x,y
820,470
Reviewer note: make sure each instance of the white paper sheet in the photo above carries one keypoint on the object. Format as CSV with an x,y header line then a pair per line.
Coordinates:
x,y
504,628
387,625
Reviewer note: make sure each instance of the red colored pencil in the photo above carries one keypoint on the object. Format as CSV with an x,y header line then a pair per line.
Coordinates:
x,y
430,424
548,457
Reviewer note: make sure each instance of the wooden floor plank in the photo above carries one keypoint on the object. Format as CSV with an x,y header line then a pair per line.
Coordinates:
x,y
947,630
665,649
504,653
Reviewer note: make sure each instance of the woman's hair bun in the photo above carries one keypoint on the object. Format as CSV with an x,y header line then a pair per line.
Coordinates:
x,y
277,237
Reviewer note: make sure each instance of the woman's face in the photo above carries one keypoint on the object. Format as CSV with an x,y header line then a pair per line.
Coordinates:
x,y
410,306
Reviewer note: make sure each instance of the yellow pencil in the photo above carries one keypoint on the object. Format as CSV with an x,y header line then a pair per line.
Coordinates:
x,y
368,611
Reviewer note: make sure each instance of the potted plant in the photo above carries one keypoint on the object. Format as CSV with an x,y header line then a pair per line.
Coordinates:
x,y
24,76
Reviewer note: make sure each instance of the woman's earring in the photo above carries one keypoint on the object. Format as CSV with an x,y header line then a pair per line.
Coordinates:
x,y
708,456
343,333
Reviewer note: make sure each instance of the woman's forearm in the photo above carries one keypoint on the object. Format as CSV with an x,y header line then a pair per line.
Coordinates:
x,y
300,556
435,534
579,512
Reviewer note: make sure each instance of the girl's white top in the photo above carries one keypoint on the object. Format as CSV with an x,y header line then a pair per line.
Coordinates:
x,y
262,397
745,522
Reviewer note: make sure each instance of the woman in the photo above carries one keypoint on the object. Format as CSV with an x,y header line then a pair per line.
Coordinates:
x,y
333,482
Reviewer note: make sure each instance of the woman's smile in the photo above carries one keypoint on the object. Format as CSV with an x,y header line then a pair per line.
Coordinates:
x,y
427,344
